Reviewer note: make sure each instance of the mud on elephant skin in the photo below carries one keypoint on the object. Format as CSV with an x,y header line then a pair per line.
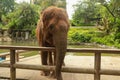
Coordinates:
x,y
51,31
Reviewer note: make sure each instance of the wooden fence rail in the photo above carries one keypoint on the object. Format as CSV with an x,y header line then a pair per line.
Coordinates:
x,y
16,55
97,71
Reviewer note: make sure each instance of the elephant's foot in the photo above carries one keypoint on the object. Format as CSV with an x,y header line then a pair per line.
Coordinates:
x,y
45,73
63,64
59,77
52,75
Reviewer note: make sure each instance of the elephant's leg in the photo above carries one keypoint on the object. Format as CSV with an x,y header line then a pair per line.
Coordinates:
x,y
54,63
50,59
63,63
44,55
54,58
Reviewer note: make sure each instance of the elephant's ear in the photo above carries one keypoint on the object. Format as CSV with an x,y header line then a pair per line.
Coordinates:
x,y
39,32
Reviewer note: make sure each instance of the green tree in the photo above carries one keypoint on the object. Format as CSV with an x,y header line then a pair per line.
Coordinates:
x,y
85,12
24,16
45,3
110,10
6,6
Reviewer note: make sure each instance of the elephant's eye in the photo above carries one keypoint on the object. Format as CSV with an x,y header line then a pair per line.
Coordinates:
x,y
51,27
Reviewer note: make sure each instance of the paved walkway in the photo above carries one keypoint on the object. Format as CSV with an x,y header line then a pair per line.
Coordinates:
x,y
77,61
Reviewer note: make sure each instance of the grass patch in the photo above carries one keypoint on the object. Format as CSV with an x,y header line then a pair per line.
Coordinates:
x,y
81,54
3,51
92,54
29,53
112,55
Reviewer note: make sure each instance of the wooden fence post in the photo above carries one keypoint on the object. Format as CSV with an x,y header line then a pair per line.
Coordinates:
x,y
97,66
17,57
12,62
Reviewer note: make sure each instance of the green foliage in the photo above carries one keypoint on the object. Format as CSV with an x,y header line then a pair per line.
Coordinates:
x,y
105,13
117,40
81,34
45,3
6,6
85,12
106,40
92,35
77,37
24,16
117,25
109,10
30,53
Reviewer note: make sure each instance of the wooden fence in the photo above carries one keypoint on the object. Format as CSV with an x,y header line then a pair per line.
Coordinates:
x,y
97,71
17,52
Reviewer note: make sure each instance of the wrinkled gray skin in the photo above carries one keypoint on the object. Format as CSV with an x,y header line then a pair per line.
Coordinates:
x,y
52,31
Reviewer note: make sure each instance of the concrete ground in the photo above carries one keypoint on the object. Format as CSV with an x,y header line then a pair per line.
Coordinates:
x,y
75,61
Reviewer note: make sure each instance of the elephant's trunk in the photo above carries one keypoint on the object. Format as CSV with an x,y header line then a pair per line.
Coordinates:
x,y
60,45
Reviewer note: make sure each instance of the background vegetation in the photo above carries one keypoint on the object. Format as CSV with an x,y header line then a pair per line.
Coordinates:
x,y
24,15
104,14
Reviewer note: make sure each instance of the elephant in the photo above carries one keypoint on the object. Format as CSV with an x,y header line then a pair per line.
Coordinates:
x,y
51,31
